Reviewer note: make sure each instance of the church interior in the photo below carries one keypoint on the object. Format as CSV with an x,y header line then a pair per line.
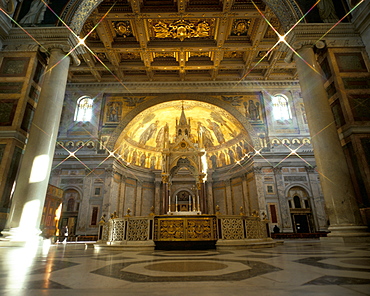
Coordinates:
x,y
218,142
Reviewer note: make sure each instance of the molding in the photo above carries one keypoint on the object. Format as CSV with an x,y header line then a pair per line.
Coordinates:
x,y
49,38
13,135
341,35
182,87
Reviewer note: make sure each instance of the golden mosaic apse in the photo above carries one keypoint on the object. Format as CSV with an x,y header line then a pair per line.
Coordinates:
x,y
144,134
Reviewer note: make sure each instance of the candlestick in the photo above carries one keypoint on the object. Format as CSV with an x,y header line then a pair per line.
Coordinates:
x,y
169,201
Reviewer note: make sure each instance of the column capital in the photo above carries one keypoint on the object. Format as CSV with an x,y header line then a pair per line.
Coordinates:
x,y
64,47
297,45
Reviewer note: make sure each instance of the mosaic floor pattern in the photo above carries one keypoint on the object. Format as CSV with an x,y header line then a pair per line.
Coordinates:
x,y
294,268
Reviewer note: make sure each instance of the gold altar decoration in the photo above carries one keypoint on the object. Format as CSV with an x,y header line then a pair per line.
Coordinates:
x,y
185,228
168,228
181,29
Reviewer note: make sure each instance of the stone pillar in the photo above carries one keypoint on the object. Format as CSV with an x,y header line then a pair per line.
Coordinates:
x,y
258,177
157,194
317,200
122,198
229,198
139,199
34,172
210,202
246,202
339,195
284,211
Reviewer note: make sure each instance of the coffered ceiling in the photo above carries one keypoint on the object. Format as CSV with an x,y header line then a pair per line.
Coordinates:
x,y
181,40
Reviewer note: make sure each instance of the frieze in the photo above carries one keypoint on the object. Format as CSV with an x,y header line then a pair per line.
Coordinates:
x,y
295,178
225,86
72,181
21,47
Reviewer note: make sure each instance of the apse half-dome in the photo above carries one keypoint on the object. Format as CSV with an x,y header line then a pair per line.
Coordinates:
x,y
220,134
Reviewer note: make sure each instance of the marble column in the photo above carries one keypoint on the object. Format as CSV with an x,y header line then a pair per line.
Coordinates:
x,y
210,202
258,177
284,211
32,182
139,199
246,202
339,195
122,198
157,194
229,198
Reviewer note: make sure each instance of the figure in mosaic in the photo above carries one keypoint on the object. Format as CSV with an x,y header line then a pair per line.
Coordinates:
x,y
217,131
148,133
205,135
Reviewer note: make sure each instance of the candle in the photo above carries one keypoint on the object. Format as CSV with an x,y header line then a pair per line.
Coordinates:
x,y
169,201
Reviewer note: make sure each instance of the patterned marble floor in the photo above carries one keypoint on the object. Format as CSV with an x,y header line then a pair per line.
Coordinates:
x,y
294,268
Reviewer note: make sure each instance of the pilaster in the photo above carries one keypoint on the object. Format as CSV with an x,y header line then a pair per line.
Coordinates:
x,y
283,204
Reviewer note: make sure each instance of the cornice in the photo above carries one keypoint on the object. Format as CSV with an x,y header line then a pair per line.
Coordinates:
x,y
40,34
13,135
341,35
47,38
184,87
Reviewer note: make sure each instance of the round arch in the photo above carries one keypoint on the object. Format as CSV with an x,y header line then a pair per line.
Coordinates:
x,y
288,188
253,138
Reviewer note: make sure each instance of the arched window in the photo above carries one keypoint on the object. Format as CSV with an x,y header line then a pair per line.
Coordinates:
x,y
280,108
297,202
70,205
84,109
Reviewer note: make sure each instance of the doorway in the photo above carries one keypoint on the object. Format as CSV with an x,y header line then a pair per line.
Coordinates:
x,y
301,223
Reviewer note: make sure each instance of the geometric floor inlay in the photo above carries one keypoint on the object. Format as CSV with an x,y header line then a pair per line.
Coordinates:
x,y
338,280
194,271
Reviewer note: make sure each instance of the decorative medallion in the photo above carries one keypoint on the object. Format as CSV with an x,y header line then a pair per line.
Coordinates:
x,y
181,29
240,27
123,28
